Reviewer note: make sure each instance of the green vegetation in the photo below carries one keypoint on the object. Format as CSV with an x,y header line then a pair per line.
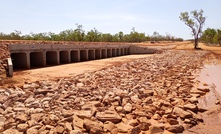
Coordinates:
x,y
212,36
93,35
195,23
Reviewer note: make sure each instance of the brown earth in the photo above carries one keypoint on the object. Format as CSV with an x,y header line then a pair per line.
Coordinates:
x,y
70,71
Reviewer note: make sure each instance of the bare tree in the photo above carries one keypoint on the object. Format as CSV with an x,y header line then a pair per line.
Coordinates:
x,y
195,22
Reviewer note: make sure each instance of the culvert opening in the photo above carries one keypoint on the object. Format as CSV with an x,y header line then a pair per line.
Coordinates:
x,y
36,59
64,57
104,53
118,52
91,54
113,52
109,53
83,55
19,60
125,51
74,56
97,54
122,51
51,58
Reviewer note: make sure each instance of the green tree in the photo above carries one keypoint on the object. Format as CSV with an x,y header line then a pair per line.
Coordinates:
x,y
209,35
195,22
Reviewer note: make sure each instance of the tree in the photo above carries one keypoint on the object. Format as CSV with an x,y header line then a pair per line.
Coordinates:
x,y
195,22
209,36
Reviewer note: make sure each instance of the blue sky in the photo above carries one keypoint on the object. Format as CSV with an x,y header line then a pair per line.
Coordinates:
x,y
107,16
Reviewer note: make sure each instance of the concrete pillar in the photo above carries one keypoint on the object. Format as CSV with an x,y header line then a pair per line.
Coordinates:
x,y
58,57
44,58
10,68
28,60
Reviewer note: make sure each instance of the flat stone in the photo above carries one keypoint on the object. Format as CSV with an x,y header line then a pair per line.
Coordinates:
x,y
123,128
59,129
182,113
68,126
22,127
77,123
109,126
89,124
32,130
12,131
108,115
83,114
155,129
173,122
191,107
204,89
196,91
175,128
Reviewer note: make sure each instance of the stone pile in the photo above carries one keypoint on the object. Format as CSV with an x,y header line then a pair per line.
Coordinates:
x,y
149,95
4,54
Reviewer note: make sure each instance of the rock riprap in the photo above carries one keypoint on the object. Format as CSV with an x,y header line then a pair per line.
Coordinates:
x,y
152,94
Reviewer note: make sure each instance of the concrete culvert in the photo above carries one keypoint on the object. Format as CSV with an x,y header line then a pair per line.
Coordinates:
x,y
51,58
64,57
19,60
74,56
36,59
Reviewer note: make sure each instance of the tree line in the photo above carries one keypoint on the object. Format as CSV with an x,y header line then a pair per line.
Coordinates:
x,y
93,35
211,36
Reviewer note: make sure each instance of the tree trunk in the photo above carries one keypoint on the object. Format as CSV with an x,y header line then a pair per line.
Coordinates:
x,y
196,43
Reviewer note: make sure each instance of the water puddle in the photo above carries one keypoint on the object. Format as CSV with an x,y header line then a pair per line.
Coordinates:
x,y
211,74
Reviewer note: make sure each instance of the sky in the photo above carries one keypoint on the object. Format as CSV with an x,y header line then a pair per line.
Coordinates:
x,y
107,16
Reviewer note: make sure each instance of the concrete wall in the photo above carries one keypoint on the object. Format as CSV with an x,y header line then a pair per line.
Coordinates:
x,y
30,56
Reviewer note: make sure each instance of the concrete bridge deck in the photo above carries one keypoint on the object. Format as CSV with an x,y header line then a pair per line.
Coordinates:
x,y
26,56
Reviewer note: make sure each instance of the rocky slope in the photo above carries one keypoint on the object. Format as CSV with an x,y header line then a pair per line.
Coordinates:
x,y
4,54
153,94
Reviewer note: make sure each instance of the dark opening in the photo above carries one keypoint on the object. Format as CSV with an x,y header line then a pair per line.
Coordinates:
x,y
104,53
74,56
64,57
83,55
109,53
122,51
36,59
125,51
113,52
91,54
97,54
19,60
51,58
118,52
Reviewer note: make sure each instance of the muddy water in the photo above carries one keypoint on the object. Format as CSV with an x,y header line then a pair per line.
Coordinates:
x,y
211,75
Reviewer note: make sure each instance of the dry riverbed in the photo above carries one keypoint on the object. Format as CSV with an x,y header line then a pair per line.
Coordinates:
x,y
154,94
